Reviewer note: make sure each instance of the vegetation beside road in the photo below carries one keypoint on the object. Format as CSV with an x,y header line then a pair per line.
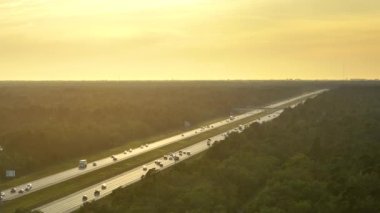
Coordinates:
x,y
322,156
36,199
46,125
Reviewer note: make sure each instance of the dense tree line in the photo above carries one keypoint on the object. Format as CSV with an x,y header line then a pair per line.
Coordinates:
x,y
44,123
322,156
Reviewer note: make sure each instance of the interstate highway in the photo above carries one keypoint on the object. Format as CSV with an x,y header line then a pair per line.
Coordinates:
x,y
75,172
74,201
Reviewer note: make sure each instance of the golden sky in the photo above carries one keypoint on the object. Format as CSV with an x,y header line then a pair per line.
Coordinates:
x,y
189,39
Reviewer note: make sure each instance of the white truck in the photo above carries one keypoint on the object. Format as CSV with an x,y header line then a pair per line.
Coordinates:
x,y
82,164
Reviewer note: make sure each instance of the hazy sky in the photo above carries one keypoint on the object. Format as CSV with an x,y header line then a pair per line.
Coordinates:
x,y
189,39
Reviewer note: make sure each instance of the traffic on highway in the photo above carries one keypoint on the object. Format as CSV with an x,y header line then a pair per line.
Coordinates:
x,y
85,167
100,190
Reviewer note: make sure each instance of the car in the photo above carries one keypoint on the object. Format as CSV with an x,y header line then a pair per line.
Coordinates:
x,y
2,194
125,152
130,150
94,164
188,153
142,147
182,135
28,187
180,152
84,198
114,157
165,157
104,186
13,190
146,145
176,158
170,158
21,191
145,168
96,193
208,143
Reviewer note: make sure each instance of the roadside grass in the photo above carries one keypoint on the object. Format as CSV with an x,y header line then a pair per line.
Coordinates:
x,y
71,163
57,191
60,190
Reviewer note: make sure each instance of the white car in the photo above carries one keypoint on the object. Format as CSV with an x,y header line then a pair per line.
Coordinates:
x,y
104,186
28,187
145,168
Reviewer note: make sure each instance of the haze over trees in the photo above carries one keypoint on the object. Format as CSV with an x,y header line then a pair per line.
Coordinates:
x,y
322,156
44,123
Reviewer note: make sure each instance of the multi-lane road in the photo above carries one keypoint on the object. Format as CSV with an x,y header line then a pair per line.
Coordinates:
x,y
75,200
75,172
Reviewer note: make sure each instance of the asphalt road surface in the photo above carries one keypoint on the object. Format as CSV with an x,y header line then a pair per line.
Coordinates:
x,y
75,172
75,200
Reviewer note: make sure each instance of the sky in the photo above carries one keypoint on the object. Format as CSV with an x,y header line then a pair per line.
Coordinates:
x,y
189,39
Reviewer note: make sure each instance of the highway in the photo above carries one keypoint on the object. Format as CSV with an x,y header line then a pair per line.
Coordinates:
x,y
75,172
74,201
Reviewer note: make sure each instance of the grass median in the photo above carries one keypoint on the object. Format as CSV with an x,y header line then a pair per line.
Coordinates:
x,y
57,191
69,164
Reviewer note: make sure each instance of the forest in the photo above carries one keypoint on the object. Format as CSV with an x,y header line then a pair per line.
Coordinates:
x,y
322,156
45,123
